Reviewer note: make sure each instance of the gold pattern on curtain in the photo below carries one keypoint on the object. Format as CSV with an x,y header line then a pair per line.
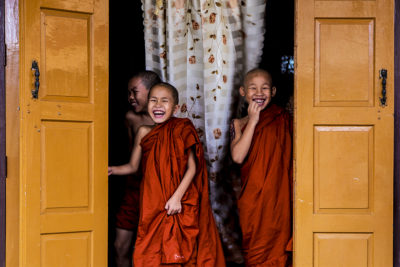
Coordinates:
x,y
203,48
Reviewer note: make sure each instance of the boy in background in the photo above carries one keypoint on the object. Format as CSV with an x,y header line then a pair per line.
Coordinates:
x,y
128,214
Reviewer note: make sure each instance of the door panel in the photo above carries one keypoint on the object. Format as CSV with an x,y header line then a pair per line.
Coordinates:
x,y
344,62
346,189
344,137
64,133
66,38
333,246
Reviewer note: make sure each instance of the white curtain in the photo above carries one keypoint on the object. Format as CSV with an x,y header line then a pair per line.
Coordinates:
x,y
203,48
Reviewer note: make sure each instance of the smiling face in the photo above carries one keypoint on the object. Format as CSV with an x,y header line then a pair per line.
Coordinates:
x,y
258,88
137,95
161,104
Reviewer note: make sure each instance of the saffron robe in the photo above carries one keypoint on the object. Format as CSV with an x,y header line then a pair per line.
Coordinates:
x,y
189,238
265,201
128,214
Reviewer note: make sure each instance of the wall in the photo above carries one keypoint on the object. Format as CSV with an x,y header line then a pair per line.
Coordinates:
x,y
12,131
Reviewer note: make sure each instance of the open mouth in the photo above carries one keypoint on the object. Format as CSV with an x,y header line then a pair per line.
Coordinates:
x,y
259,101
158,114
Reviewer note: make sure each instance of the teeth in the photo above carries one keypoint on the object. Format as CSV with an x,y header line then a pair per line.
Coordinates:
x,y
259,100
158,113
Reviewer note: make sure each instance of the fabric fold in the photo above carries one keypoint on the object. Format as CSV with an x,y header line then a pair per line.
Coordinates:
x,y
189,238
265,202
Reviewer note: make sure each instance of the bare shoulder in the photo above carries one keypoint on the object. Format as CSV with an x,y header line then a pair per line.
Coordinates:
x,y
240,123
236,127
143,130
135,120
131,117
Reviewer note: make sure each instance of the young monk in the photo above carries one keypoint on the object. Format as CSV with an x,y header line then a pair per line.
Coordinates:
x,y
128,214
262,144
176,225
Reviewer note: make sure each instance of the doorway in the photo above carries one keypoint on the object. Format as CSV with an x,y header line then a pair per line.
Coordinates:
x,y
127,57
128,18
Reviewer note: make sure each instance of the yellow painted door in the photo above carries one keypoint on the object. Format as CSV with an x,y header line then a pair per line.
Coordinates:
x,y
64,133
344,136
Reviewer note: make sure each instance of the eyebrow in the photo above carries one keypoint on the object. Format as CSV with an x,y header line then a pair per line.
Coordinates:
x,y
164,97
262,84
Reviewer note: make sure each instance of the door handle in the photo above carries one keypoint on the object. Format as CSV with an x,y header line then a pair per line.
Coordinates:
x,y
383,76
35,67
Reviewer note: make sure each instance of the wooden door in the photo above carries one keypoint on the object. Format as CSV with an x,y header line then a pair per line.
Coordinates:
x,y
2,142
64,133
344,136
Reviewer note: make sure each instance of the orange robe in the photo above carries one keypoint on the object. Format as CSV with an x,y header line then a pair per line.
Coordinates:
x,y
265,202
189,238
128,214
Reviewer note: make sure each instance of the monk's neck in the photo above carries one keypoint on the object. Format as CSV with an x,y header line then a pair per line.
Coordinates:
x,y
164,122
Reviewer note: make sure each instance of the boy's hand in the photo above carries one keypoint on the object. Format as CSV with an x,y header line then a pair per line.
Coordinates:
x,y
254,112
109,171
173,206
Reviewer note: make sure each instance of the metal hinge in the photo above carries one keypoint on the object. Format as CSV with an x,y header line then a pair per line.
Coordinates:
x,y
5,55
5,52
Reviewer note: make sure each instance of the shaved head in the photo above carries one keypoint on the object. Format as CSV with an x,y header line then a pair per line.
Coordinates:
x,y
149,78
171,89
255,72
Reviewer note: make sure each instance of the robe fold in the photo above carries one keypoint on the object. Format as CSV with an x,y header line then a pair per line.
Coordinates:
x,y
189,238
265,201
128,214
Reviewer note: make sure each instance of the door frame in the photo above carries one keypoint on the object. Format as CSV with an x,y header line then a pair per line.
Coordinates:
x,y
396,233
3,163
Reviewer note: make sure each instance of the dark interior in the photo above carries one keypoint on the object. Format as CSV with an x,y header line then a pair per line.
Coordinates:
x,y
126,58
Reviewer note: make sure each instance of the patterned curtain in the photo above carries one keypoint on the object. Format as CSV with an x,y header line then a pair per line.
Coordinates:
x,y
203,48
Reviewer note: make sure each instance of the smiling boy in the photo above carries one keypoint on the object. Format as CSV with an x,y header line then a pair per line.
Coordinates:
x,y
176,225
261,143
128,214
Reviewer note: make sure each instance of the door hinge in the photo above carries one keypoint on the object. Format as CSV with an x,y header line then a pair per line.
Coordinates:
x,y
3,175
5,54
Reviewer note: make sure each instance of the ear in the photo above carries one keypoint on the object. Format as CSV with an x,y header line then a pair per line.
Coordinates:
x,y
242,92
273,91
176,108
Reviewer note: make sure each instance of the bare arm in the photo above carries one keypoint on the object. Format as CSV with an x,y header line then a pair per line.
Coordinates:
x,y
174,205
133,165
241,143
130,130
132,124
